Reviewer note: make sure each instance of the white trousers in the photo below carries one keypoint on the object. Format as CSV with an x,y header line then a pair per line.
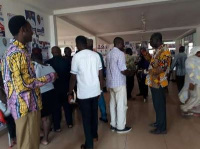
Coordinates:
x,y
118,107
193,101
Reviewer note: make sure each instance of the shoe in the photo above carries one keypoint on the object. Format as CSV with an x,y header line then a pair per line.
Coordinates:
x,y
103,120
139,94
158,132
125,130
84,147
58,130
112,128
70,126
153,125
145,100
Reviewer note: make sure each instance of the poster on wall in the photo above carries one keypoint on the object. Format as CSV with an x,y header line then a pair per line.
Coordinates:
x,y
10,15
2,28
30,17
45,46
40,25
35,42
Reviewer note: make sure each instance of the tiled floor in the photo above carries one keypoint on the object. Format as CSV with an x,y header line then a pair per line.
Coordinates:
x,y
183,132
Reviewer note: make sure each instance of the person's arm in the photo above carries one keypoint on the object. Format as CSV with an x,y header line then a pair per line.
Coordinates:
x,y
174,63
21,78
72,82
147,55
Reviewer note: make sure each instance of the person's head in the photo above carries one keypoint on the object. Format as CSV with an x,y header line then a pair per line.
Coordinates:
x,y
29,15
56,51
81,42
195,51
37,57
37,50
4,41
68,51
90,44
38,19
143,50
119,43
181,49
156,40
20,29
129,51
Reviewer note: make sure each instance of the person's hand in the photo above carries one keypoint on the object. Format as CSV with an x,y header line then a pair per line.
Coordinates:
x,y
191,87
70,97
55,76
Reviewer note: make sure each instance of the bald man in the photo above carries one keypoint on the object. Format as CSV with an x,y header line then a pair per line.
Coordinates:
x,y
62,66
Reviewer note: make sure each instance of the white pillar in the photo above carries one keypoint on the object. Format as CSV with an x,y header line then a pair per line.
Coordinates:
x,y
197,40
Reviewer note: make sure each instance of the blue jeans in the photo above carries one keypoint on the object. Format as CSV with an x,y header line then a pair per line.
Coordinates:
x,y
102,107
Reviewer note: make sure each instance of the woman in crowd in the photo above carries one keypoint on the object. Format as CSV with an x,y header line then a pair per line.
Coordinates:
x,y
47,92
130,64
190,94
143,66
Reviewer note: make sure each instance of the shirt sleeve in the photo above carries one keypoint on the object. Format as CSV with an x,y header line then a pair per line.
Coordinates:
x,y
74,66
122,62
21,77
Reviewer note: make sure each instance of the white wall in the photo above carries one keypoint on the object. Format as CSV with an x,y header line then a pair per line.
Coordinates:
x,y
18,8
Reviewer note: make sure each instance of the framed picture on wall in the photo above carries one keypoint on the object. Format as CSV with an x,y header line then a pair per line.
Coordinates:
x,y
30,17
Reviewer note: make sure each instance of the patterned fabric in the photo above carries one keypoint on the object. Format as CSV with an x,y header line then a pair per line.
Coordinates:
x,y
179,63
115,63
159,67
130,62
20,82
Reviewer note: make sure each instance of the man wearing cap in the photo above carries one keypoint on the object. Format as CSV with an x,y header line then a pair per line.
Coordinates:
x,y
22,86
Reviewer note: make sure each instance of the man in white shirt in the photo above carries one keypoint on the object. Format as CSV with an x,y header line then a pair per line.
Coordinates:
x,y
87,71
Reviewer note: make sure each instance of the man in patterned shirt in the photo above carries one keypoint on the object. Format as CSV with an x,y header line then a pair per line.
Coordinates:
x,y
157,80
22,86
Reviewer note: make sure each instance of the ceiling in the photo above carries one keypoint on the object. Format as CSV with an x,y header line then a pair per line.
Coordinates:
x,y
107,19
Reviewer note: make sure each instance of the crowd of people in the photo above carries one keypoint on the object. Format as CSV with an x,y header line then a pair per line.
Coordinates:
x,y
33,92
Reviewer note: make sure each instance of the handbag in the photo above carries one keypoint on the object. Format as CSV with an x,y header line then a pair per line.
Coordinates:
x,y
2,119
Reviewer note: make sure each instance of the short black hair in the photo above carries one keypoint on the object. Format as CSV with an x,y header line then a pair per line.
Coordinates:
x,y
129,51
16,23
182,49
157,36
117,40
81,40
36,56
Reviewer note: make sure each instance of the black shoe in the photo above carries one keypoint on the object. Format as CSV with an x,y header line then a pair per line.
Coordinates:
x,y
153,125
103,120
125,130
112,128
84,147
158,132
139,94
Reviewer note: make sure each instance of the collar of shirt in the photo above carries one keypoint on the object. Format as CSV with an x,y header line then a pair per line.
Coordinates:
x,y
19,45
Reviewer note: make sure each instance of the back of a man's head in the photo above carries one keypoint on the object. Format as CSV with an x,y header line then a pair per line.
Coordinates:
x,y
15,23
56,51
182,49
157,36
90,44
81,42
117,41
